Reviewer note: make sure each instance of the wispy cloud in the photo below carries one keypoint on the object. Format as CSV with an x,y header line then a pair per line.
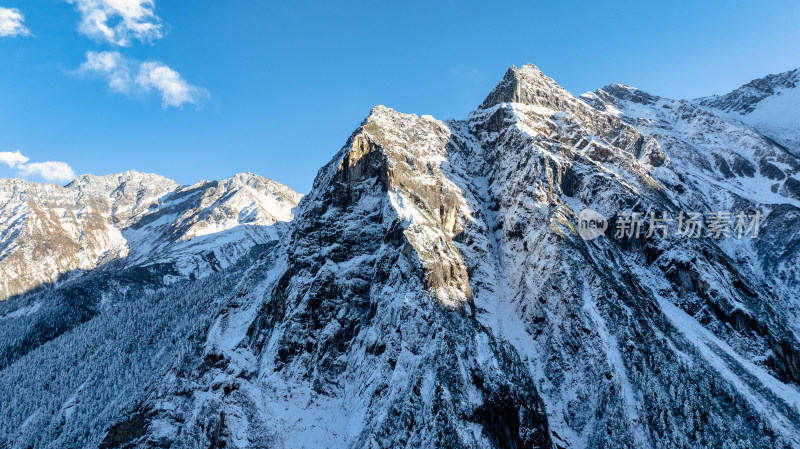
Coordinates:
x,y
55,171
175,91
111,65
126,75
11,23
50,170
12,159
119,21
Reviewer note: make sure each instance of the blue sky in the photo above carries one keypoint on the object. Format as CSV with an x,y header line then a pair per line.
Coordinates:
x,y
209,88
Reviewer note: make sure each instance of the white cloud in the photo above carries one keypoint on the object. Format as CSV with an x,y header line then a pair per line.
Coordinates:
x,y
119,21
175,91
11,20
12,159
49,171
153,75
112,66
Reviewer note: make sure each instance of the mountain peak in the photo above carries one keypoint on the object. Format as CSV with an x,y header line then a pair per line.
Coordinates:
x,y
260,183
630,93
526,85
112,181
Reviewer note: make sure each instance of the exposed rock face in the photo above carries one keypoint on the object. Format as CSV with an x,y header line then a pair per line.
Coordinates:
x,y
49,232
433,291
718,164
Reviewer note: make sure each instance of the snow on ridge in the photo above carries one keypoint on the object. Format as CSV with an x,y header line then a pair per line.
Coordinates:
x,y
96,219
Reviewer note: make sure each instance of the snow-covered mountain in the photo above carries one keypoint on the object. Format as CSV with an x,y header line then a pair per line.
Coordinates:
x,y
48,232
770,104
433,290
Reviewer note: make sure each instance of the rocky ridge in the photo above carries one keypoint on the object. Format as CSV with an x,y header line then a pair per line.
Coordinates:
x,y
769,104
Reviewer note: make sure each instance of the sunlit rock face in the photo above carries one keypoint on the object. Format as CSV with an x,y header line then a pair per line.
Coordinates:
x,y
433,290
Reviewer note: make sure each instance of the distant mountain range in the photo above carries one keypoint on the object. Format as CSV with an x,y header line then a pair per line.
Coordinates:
x,y
433,289
50,233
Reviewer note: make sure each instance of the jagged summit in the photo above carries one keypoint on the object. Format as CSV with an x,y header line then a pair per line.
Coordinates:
x,y
527,85
625,92
116,179
381,113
